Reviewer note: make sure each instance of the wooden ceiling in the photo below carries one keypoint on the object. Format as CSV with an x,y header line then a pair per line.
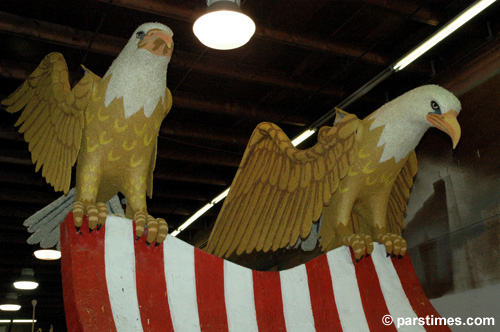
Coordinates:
x,y
305,58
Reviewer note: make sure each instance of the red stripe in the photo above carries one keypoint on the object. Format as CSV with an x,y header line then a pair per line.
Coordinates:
x,y
268,301
83,268
372,297
209,273
415,294
151,287
326,316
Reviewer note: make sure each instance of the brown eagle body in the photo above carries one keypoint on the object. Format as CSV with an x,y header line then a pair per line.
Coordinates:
x,y
109,126
370,192
356,178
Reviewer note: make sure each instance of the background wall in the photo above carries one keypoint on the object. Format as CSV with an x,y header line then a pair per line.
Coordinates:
x,y
453,219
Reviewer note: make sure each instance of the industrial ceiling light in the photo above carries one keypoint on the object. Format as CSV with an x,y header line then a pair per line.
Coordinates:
x,y
224,26
10,303
27,280
47,254
442,33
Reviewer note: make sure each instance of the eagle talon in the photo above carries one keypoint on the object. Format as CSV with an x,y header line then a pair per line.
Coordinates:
x,y
157,227
361,244
394,244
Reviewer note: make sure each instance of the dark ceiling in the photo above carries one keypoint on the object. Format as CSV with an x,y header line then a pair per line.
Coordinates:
x,y
305,58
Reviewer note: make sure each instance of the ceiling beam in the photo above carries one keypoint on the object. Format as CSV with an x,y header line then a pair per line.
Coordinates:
x,y
409,9
27,177
229,108
110,45
198,132
173,152
177,130
159,7
20,71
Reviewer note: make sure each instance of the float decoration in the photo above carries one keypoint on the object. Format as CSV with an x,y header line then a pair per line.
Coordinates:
x,y
113,283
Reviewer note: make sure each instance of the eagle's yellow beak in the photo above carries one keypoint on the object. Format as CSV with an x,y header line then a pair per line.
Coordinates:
x,y
448,123
157,42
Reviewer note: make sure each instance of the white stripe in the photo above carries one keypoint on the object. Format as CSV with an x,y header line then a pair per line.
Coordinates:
x,y
119,257
240,304
181,285
296,300
394,294
345,288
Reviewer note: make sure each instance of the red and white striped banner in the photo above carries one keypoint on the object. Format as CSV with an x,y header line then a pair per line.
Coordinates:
x,y
113,283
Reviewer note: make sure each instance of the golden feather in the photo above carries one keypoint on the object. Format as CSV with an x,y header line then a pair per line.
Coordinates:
x,y
49,115
294,184
400,193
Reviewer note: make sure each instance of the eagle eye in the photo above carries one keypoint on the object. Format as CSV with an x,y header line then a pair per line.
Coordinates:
x,y
140,34
435,107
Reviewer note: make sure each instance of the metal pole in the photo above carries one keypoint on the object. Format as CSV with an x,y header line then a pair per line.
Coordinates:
x,y
33,302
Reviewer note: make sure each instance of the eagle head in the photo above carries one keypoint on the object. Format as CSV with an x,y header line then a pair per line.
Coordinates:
x,y
406,118
441,109
155,38
138,74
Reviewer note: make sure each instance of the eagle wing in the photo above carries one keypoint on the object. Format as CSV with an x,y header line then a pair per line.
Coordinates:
x,y
279,190
167,105
400,194
53,118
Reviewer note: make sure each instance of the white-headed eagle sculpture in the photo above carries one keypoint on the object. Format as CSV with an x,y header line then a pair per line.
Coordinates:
x,y
109,126
357,178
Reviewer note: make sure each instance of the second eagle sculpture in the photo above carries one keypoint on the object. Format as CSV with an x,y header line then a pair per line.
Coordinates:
x,y
357,178
108,125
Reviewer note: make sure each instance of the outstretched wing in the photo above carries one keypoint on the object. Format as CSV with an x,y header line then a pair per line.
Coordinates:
x,y
52,119
44,224
279,190
400,194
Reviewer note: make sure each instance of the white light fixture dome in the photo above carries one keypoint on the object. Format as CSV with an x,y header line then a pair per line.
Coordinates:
x,y
10,303
224,26
27,280
47,254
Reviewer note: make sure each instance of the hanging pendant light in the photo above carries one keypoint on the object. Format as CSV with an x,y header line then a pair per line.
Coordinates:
x,y
224,26
27,280
10,303
47,254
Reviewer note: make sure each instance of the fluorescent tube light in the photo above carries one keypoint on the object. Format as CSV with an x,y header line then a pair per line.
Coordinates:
x,y
442,33
220,197
195,216
302,137
17,321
